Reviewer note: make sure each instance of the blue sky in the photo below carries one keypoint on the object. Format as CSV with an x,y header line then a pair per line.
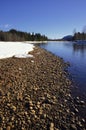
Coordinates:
x,y
54,18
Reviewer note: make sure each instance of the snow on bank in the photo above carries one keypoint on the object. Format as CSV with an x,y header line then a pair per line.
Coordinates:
x,y
17,49
36,42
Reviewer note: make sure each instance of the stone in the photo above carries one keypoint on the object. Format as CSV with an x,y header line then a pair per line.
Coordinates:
x,y
33,112
83,120
52,126
82,102
8,128
79,123
30,102
20,68
73,127
76,110
44,98
14,108
12,118
1,128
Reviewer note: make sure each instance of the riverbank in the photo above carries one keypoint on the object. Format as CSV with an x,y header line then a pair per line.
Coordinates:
x,y
35,94
35,42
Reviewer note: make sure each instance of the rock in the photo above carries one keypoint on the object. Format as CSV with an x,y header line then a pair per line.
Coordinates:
x,y
52,126
76,110
73,127
40,111
79,123
31,108
72,113
22,128
30,103
45,115
8,128
77,98
33,112
1,92
38,104
20,68
26,113
13,108
67,110
82,102
32,61
19,96
38,95
83,120
12,119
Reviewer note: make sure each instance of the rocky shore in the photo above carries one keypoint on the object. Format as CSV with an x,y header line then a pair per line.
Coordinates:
x,y
35,94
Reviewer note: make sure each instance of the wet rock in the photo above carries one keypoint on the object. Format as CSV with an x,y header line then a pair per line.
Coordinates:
x,y
83,120
80,124
76,110
82,102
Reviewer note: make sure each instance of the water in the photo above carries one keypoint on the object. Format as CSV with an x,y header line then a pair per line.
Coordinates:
x,y
76,55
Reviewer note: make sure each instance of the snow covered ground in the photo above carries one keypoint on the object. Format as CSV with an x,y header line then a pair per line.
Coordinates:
x,y
17,49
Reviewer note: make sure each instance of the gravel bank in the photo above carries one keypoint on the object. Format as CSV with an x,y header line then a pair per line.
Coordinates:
x,y
35,94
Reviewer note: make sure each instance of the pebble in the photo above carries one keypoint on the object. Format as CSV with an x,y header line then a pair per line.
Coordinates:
x,y
52,126
33,112
82,102
83,120
40,111
73,127
8,128
13,108
45,115
1,128
76,110
33,95
12,118
20,68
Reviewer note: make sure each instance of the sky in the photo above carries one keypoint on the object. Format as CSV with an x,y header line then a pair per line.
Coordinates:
x,y
54,18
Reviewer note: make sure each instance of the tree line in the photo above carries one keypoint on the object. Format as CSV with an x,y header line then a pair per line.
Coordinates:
x,y
15,35
79,36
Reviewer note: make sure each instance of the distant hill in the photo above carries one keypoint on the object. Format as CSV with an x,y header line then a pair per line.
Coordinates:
x,y
68,38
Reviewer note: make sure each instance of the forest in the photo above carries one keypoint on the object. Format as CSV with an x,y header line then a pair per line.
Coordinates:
x,y
15,35
79,36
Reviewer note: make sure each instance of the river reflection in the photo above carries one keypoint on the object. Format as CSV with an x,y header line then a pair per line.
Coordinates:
x,y
79,48
76,55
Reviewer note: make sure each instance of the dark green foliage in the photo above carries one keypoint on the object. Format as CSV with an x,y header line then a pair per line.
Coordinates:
x,y
14,35
80,36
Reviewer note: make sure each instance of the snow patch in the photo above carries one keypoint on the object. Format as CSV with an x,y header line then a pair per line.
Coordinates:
x,y
23,56
17,49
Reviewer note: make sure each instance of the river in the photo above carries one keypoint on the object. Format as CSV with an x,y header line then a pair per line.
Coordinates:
x,y
76,55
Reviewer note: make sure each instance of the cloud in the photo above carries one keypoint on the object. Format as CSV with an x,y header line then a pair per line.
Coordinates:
x,y
5,26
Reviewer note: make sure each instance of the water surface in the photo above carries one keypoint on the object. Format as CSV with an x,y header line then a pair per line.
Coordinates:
x,y
76,55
